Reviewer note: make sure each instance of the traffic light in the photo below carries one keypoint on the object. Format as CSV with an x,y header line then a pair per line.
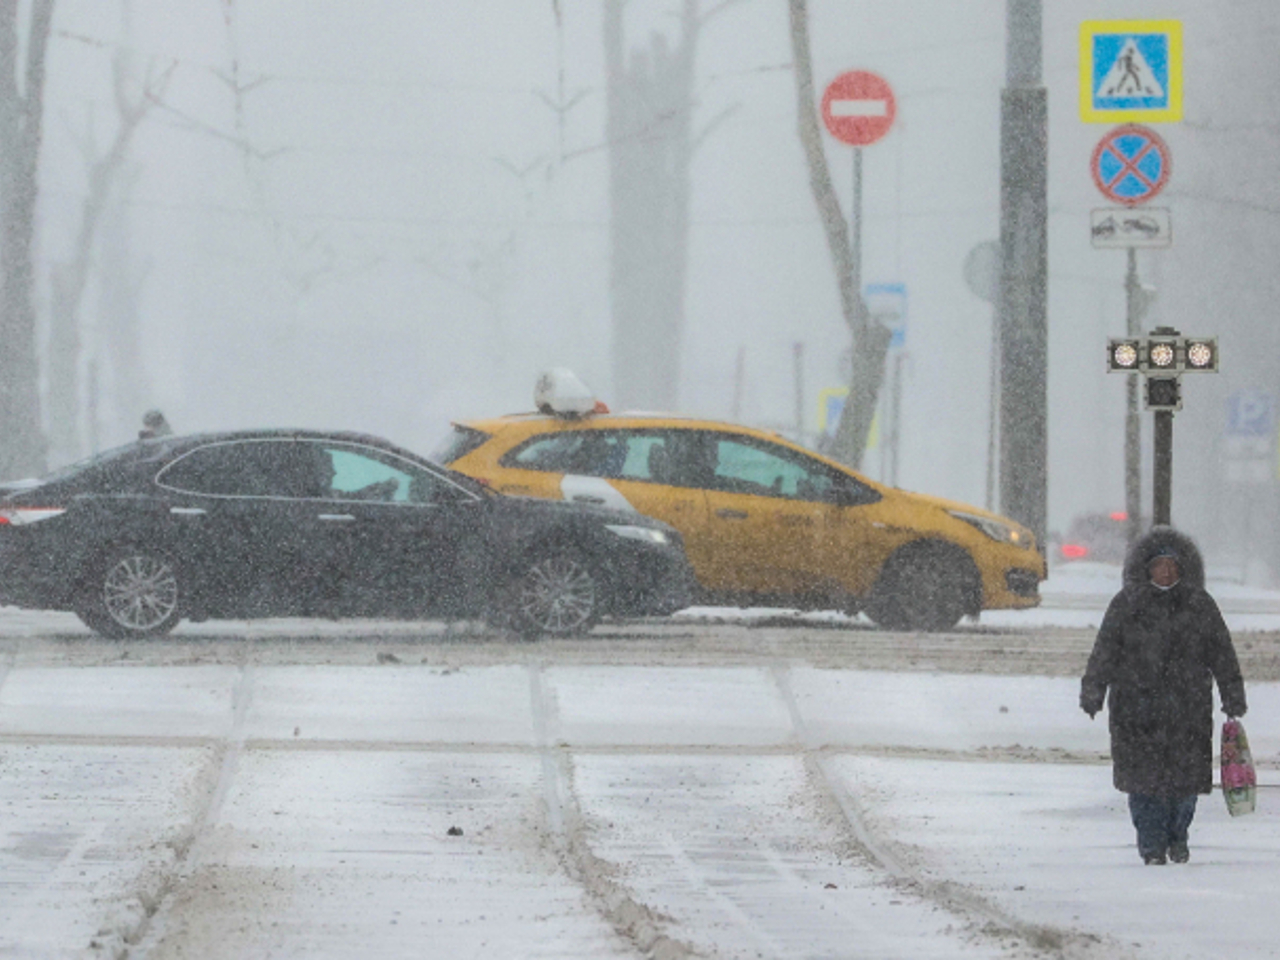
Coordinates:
x,y
1164,393
1168,353
1201,355
1162,354
1123,355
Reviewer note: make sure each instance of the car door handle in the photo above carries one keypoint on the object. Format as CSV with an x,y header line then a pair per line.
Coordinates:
x,y
187,511
337,517
732,514
584,498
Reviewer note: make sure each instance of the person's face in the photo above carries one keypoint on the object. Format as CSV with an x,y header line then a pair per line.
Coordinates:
x,y
1164,571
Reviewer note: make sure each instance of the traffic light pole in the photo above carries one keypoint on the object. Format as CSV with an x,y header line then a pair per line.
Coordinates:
x,y
1162,488
1132,424
1161,359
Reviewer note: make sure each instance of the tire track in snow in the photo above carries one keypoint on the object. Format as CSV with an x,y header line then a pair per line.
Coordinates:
x,y
160,890
948,895
6,664
630,918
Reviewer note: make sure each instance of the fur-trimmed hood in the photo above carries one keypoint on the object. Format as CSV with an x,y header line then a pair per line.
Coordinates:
x,y
1164,540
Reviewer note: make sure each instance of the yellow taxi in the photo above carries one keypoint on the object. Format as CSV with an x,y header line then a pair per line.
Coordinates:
x,y
765,521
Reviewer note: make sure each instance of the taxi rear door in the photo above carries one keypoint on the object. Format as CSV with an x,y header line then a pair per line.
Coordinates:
x,y
626,469
643,467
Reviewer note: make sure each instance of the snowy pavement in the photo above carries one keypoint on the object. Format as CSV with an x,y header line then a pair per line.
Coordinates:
x,y
539,810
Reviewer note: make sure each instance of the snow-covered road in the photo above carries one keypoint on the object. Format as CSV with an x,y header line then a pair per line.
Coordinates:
x,y
220,801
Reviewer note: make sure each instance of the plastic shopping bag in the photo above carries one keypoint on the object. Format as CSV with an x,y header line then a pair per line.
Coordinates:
x,y
1239,782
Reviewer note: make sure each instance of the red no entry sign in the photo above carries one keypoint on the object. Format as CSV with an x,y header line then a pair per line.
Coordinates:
x,y
858,107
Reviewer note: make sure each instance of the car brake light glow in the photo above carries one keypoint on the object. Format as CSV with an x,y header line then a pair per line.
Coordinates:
x,y
22,516
1074,551
1119,515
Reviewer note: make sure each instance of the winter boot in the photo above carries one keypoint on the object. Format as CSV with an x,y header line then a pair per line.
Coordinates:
x,y
1179,853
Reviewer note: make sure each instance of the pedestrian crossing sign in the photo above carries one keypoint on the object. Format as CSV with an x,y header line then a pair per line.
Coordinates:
x,y
1131,71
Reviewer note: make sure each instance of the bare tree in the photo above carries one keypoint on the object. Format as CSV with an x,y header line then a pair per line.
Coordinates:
x,y
70,277
22,452
870,338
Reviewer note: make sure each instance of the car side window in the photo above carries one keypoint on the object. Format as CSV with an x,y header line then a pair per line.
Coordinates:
x,y
591,453
248,468
361,474
761,469
671,457
746,468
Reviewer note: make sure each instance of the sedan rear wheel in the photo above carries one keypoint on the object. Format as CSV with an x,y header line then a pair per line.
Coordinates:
x,y
558,595
134,593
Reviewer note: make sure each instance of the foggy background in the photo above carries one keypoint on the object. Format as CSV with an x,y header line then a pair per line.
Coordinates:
x,y
372,216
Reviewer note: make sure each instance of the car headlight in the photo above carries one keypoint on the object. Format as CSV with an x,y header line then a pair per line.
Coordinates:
x,y
644,534
995,529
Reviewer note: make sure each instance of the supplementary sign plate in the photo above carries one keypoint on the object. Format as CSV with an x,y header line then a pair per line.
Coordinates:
x,y
1112,227
1131,71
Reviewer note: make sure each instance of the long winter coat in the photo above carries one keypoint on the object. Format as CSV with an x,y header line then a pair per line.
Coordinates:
x,y
1158,652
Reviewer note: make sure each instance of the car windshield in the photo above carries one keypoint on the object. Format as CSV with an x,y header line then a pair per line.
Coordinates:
x,y
457,443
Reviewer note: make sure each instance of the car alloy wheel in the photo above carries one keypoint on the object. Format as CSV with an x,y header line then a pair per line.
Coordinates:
x,y
139,595
557,595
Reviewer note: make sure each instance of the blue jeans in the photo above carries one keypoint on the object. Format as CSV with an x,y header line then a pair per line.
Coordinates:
x,y
1161,822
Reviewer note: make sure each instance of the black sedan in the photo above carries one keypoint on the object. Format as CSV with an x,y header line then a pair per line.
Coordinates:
x,y
272,523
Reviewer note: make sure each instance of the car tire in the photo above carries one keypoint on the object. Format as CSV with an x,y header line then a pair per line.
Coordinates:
x,y
557,593
926,587
132,592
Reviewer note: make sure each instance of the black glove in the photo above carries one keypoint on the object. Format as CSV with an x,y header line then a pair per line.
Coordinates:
x,y
1234,710
1090,706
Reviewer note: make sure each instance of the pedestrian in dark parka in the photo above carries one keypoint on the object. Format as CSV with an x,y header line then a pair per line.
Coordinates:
x,y
1161,646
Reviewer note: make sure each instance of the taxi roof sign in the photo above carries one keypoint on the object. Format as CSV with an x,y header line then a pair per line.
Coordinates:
x,y
559,392
1131,71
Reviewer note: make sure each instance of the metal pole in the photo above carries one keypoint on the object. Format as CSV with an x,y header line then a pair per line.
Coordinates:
x,y
1132,423
739,380
1024,278
798,373
1162,489
855,238
897,417
993,415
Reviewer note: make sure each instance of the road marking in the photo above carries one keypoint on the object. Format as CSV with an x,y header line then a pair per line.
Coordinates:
x,y
545,715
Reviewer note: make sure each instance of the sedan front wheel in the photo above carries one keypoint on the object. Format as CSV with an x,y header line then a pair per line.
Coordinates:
x,y
132,593
558,595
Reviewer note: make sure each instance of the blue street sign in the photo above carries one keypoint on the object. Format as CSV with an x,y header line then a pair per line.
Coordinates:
x,y
1131,164
1251,413
1131,70
887,305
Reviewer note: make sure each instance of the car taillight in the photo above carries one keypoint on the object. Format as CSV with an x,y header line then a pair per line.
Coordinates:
x,y
1074,551
22,516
